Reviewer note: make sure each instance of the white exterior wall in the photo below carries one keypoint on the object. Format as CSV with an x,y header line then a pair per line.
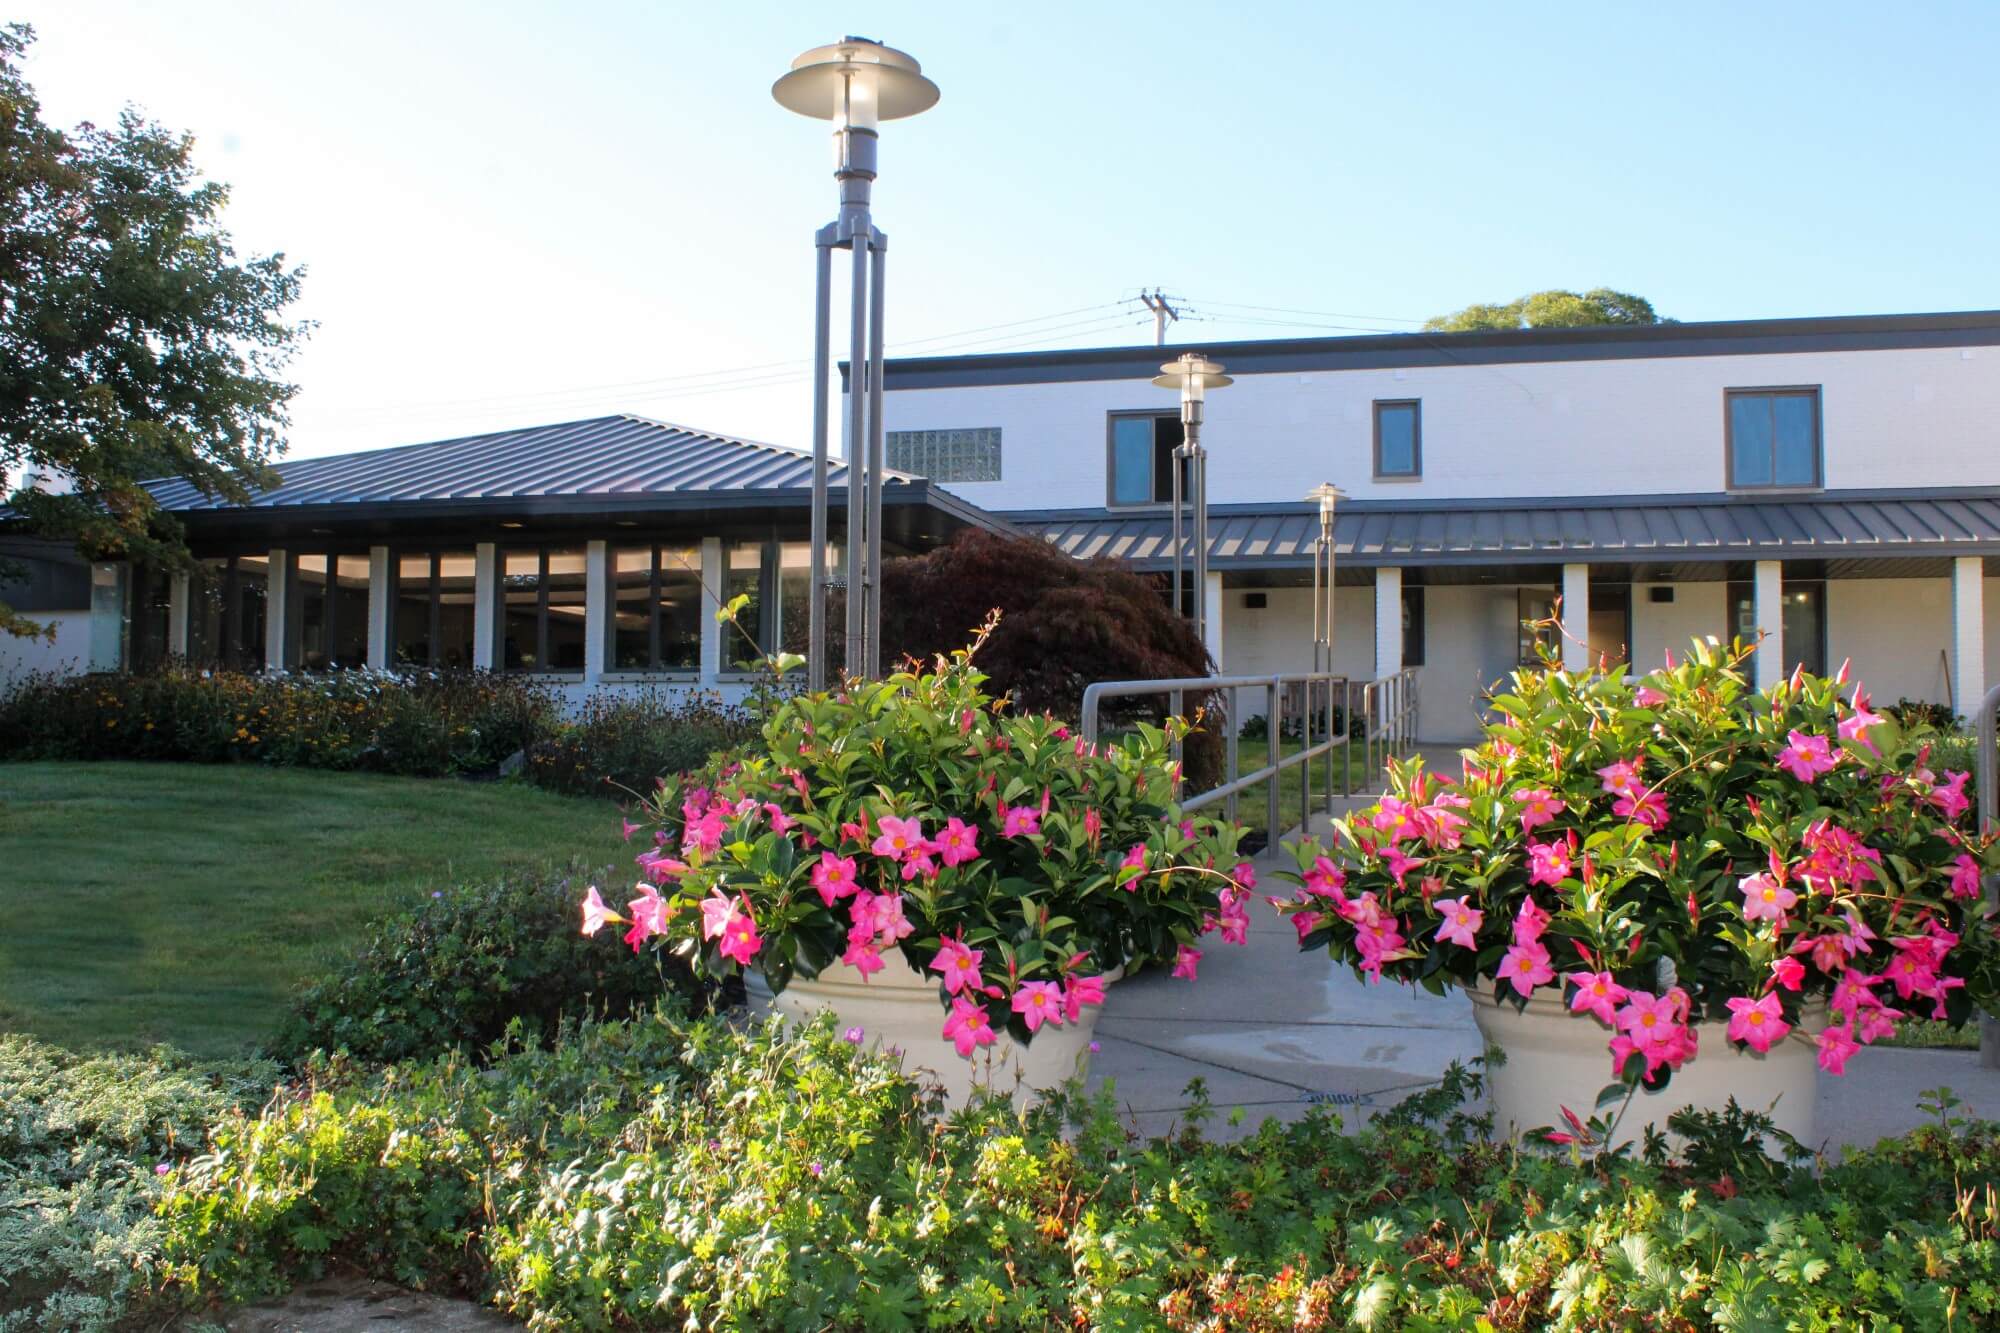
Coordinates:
x,y
1992,642
1698,611
69,653
1894,631
1279,637
1612,427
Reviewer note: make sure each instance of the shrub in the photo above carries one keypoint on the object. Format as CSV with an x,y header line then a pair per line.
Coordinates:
x,y
83,1141
424,724
463,967
1924,713
622,746
1064,624
914,814
675,1173
1685,848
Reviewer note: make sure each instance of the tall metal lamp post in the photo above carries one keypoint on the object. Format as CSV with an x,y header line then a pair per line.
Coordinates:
x,y
1194,375
856,83
1328,495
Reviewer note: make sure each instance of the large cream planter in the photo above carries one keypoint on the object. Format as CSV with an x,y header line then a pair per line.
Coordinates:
x,y
1557,1059
897,1008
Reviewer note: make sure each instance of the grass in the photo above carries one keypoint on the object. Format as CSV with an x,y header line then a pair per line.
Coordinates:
x,y
181,902
1252,803
1931,1035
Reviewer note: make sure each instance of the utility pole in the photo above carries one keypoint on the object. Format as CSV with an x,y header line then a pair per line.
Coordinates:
x,y
1163,310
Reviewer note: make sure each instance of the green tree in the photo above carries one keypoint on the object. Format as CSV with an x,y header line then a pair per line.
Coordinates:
x,y
1553,309
134,342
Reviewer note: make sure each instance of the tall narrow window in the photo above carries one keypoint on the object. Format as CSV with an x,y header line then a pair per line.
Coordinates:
x,y
1773,437
747,571
1141,457
152,611
1534,612
542,609
433,609
413,625
656,612
1803,617
1399,439
226,612
1413,625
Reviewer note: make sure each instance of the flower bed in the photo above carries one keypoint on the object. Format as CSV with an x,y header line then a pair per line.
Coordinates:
x,y
996,852
1674,851
622,746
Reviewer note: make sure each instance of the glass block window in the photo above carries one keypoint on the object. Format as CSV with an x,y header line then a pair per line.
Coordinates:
x,y
947,455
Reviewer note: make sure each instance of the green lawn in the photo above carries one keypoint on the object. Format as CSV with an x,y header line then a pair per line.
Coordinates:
x,y
1251,804
181,902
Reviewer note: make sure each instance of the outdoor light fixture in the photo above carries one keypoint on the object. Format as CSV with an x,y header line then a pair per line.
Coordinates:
x,y
856,83
1328,495
1193,375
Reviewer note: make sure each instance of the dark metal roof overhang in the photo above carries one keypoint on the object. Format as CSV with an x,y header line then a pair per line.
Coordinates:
x,y
1870,532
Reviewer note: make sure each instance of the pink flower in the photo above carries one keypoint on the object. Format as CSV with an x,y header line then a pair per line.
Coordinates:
x,y
649,916
660,869
958,965
863,956
1806,757
740,940
716,910
1186,961
1836,1043
1306,923
1789,973
967,1027
1093,825
1135,861
899,838
1325,878
595,914
1019,821
1461,923
1079,992
1648,1018
1039,1002
1648,697
1854,991
1964,877
1538,807
1765,898
629,828
881,914
1398,863
1759,1023
1872,1025
834,877
1395,817
1856,725
1526,966
703,835
919,863
1548,862
1530,922
1949,797
1649,809
1245,876
958,843
1596,993
1621,777
780,821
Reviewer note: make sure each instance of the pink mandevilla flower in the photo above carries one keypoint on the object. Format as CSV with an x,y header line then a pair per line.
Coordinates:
x,y
1807,757
1789,973
1648,808
1019,821
716,909
1186,961
1325,878
1765,897
834,877
1548,862
1460,923
1758,1023
1836,1043
1965,876
1526,966
740,940
967,1026
958,965
1949,796
1621,777
899,838
1596,993
1538,807
1039,1002
595,913
958,843
1079,992
1856,725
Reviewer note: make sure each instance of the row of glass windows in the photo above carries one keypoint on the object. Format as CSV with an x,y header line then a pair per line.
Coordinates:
x,y
1772,439
541,612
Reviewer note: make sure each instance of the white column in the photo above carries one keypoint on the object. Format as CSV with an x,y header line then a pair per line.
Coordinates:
x,y
1576,618
711,602
596,609
177,615
485,604
1968,633
1768,598
381,607
1212,609
1388,621
277,611
110,585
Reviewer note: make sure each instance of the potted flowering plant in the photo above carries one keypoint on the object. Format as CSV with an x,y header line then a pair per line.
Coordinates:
x,y
935,867
1679,871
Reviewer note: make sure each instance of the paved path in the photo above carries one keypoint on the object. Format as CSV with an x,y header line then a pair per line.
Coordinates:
x,y
1273,1031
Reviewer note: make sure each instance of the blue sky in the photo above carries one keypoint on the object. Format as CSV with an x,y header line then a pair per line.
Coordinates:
x,y
515,214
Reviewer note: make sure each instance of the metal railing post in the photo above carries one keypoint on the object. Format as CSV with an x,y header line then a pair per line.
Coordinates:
x,y
1233,764
1274,711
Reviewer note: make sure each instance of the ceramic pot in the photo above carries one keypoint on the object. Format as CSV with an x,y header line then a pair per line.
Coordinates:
x,y
1556,1059
897,1008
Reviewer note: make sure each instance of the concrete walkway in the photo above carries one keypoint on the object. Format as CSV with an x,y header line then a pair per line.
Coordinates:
x,y
1274,1031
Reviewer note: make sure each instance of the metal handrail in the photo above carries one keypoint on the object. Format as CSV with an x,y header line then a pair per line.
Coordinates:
x,y
1312,695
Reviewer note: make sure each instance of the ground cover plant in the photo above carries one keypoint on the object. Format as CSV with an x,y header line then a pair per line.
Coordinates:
x,y
918,815
675,1172
1670,850
185,902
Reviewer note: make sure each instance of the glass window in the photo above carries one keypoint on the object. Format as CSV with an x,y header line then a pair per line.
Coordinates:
x,y
1534,614
656,609
1399,439
453,583
226,599
332,602
433,609
744,575
947,455
564,612
520,603
151,611
250,592
1142,458
542,602
1413,626
350,607
1803,620
1774,437
412,629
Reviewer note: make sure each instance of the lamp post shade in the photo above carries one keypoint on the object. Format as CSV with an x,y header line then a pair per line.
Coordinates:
x,y
1328,495
855,81
1192,374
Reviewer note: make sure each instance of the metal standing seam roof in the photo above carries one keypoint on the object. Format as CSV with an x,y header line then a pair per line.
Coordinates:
x,y
1715,527
611,457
